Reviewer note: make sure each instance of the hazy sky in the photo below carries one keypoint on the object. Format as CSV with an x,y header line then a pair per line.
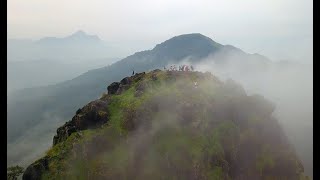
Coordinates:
x,y
275,28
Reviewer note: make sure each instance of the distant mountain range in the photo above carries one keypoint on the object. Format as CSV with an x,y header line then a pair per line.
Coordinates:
x,y
77,37
78,45
37,112
70,56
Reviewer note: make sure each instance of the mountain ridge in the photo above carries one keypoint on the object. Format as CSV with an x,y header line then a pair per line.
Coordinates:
x,y
211,130
76,36
139,61
61,99
78,45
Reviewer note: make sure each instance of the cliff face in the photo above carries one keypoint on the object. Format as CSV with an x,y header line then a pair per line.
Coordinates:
x,y
171,125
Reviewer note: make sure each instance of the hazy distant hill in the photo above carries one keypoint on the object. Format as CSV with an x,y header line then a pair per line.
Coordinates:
x,y
79,37
78,45
51,60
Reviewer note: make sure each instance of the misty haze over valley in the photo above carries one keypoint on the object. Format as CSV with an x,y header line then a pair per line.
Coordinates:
x,y
37,63
52,74
287,84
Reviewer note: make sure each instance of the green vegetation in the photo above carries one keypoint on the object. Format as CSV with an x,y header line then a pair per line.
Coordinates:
x,y
163,127
13,172
264,160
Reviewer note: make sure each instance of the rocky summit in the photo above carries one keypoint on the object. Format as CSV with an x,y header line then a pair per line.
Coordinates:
x,y
171,125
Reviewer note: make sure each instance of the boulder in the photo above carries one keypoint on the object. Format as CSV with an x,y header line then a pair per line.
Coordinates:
x,y
113,88
122,88
36,169
92,115
139,76
125,81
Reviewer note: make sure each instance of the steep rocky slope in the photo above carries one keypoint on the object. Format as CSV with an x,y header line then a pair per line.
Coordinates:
x,y
171,125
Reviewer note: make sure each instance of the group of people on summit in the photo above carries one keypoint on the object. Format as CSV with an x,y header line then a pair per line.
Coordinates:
x,y
181,68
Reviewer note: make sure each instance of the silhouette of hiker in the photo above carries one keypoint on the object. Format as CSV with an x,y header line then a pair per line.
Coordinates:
x,y
132,73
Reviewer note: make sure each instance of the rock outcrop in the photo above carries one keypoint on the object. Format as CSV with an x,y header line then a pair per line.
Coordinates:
x,y
36,169
113,88
92,115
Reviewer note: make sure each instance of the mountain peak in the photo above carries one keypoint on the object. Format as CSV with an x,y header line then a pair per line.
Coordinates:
x,y
79,33
76,36
194,44
192,35
192,39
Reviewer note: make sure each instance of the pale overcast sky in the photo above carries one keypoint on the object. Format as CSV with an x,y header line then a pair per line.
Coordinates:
x,y
275,28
